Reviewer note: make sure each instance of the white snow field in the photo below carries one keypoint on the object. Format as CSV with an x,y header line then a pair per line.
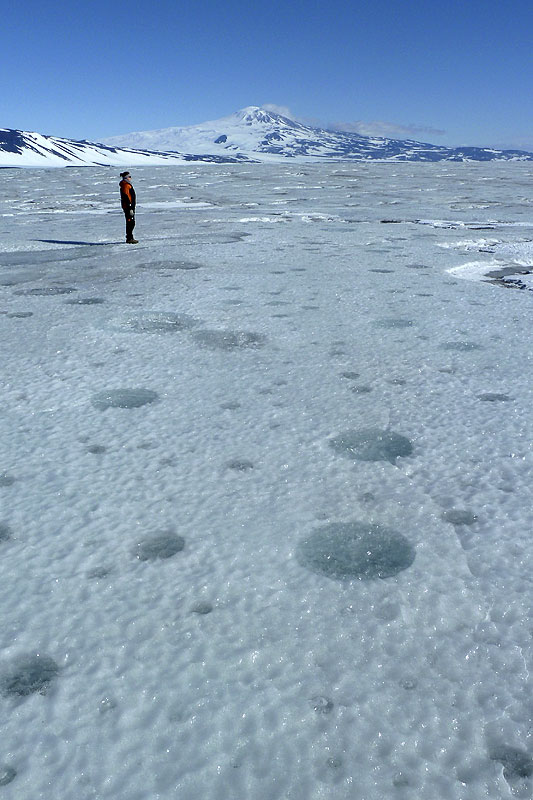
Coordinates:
x,y
266,496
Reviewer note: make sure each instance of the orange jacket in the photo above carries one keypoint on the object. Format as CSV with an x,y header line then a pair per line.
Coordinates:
x,y
127,196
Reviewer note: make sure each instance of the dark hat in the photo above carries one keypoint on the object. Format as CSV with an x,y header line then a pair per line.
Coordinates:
x,y
124,174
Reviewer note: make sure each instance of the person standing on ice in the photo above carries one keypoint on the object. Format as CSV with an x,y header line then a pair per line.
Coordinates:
x,y
127,200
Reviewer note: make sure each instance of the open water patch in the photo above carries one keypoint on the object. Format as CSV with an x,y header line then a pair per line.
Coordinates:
x,y
228,340
372,444
355,550
123,398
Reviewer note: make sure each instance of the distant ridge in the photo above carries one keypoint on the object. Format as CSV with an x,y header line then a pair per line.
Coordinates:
x,y
262,135
24,149
250,135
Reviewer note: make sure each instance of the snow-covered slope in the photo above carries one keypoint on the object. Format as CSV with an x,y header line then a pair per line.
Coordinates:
x,y
23,149
263,135
252,134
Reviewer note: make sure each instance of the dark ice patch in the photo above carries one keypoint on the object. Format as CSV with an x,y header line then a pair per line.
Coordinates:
x,y
372,444
459,516
20,314
228,340
85,301
351,376
394,322
5,532
160,546
203,607
169,265
7,774
516,763
409,683
360,550
98,573
28,674
123,398
46,291
322,704
491,397
240,465
154,322
361,389
461,347
212,238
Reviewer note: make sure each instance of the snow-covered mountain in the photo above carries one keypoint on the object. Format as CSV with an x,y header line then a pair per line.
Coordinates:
x,y
263,135
252,134
23,149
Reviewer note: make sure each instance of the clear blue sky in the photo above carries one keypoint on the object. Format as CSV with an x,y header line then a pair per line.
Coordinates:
x,y
90,70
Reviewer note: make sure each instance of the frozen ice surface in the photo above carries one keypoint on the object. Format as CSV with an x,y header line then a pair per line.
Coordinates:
x,y
295,685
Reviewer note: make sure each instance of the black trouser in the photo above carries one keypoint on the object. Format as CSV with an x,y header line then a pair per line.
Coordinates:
x,y
130,224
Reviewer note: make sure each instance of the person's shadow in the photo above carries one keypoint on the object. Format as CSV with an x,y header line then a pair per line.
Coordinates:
x,y
66,241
